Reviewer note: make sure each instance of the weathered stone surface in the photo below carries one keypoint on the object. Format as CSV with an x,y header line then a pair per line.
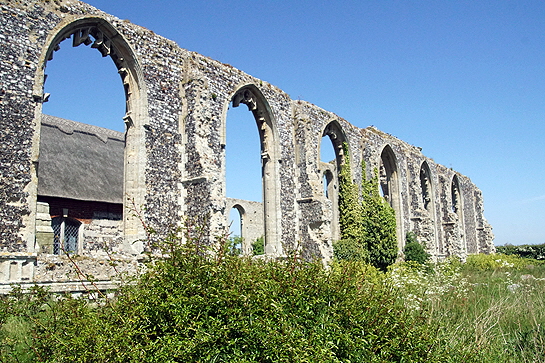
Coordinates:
x,y
251,221
175,145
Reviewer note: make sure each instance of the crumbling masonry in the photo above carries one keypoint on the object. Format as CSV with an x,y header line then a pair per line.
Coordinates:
x,y
174,155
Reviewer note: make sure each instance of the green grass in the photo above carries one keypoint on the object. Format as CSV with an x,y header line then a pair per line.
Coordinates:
x,y
492,307
501,313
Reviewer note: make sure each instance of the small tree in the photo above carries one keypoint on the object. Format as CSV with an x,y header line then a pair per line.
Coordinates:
x,y
234,245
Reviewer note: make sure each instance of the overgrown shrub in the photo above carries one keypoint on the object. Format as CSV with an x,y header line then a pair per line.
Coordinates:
x,y
414,251
379,223
214,307
349,249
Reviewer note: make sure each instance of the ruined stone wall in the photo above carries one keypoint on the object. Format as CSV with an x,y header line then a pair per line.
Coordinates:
x,y
442,231
251,220
102,234
175,148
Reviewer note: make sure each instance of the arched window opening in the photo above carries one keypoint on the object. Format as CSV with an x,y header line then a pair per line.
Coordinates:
x,y
456,205
331,154
388,176
65,235
88,118
243,174
389,188
236,235
426,225
384,183
84,88
246,154
327,183
425,186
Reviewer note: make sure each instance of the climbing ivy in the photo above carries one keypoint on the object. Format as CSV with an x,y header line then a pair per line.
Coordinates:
x,y
350,214
414,251
379,223
368,225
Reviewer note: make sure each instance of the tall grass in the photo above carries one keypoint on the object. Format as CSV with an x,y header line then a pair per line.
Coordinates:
x,y
492,307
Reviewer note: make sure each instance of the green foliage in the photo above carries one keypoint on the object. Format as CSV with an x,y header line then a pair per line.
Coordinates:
x,y
258,246
498,262
234,245
214,307
348,249
536,252
368,226
414,251
350,214
379,223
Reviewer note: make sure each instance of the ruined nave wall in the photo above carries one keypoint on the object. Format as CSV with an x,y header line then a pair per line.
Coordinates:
x,y
177,103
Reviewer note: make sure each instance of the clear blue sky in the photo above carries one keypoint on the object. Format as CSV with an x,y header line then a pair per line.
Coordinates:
x,y
464,80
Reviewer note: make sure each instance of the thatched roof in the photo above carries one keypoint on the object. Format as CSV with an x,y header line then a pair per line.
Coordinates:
x,y
80,161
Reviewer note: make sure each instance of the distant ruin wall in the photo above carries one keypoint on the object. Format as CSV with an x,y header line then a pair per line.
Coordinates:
x,y
177,103
251,221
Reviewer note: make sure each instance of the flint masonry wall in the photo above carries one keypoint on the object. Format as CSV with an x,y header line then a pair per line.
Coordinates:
x,y
177,102
251,221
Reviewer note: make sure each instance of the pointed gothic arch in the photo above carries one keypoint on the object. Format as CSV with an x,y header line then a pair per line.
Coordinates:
x,y
101,35
330,171
389,185
427,198
456,198
457,209
426,188
252,97
334,131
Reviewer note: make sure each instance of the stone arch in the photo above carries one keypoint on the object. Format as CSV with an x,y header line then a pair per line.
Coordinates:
x,y
329,172
101,35
242,214
337,136
427,218
455,228
426,188
389,185
456,198
327,180
252,97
